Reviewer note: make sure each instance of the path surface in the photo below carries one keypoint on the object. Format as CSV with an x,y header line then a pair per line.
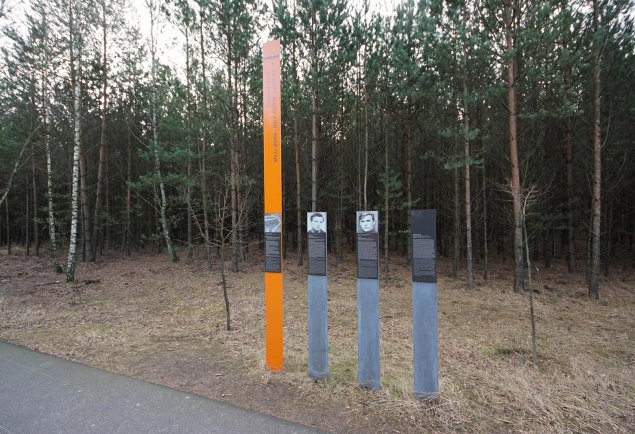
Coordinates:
x,y
45,394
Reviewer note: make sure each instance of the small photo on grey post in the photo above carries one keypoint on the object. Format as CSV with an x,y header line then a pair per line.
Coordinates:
x,y
316,222
367,222
273,223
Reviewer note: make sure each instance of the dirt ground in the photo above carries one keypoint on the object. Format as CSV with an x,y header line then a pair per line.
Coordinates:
x,y
165,323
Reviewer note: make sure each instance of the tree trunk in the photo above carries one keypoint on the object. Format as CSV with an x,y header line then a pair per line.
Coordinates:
x,y
87,235
27,220
36,235
366,150
409,180
296,148
188,102
314,110
155,144
519,275
57,267
128,195
233,154
102,142
298,181
609,240
485,228
107,242
532,316
228,323
75,78
468,201
163,199
456,251
203,153
243,209
190,247
339,223
386,187
568,160
633,241
358,139
594,292
8,226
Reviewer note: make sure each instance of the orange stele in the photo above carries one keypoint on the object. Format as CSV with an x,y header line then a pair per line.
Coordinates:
x,y
273,197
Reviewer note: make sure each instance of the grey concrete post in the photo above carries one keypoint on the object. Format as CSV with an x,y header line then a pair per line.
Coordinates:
x,y
425,328
318,327
318,294
425,339
368,372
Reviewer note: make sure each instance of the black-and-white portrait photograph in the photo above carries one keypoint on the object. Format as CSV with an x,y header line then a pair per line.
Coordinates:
x,y
316,222
367,222
273,223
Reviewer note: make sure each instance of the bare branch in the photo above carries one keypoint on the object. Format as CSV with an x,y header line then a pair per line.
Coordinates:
x,y
17,164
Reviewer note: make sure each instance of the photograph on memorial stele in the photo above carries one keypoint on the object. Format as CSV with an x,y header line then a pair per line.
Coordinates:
x,y
316,222
367,222
273,225
316,238
368,244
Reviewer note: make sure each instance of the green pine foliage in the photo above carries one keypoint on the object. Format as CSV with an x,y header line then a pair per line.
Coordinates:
x,y
392,90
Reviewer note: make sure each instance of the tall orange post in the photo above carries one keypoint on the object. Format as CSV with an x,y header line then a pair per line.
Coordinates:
x,y
273,204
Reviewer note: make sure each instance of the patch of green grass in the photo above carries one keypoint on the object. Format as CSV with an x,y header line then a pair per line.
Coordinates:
x,y
342,371
398,387
600,350
510,351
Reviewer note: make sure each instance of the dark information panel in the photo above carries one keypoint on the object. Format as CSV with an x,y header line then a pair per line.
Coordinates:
x,y
368,256
273,262
317,254
424,241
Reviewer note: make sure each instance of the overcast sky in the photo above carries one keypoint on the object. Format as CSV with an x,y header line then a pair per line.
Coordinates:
x,y
170,39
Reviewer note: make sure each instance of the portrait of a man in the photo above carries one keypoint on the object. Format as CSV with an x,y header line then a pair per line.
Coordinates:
x,y
316,223
367,222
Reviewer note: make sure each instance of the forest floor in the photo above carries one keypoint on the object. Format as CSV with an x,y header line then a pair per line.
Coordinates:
x,y
162,322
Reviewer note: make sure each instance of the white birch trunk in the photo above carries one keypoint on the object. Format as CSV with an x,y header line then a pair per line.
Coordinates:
x,y
76,43
57,267
154,9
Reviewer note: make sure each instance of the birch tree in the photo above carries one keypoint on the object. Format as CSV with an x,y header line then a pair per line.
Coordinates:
x,y
154,7
45,51
76,60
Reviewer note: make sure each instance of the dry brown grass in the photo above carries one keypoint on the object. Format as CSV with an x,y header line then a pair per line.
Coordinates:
x,y
165,322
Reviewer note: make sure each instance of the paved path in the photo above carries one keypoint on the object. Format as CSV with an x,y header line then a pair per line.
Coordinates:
x,y
45,394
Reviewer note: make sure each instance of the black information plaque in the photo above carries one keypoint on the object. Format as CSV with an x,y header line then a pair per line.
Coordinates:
x,y
423,242
273,262
368,256
317,254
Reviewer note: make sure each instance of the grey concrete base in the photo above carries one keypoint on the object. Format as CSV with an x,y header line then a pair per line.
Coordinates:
x,y
368,373
425,340
426,396
318,327
44,394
